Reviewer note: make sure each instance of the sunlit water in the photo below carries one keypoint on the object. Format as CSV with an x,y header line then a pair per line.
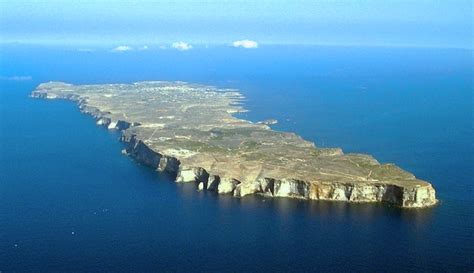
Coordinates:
x,y
71,202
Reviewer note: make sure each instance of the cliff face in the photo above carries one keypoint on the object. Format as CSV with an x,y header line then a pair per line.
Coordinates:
x,y
407,197
324,174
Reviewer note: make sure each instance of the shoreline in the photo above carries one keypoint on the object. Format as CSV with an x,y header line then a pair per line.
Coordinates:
x,y
416,196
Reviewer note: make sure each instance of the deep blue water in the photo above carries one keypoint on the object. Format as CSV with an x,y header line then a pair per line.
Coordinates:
x,y
70,202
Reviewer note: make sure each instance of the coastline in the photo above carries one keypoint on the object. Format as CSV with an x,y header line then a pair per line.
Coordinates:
x,y
415,196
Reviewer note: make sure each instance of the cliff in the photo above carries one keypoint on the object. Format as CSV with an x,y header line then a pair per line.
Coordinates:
x,y
189,131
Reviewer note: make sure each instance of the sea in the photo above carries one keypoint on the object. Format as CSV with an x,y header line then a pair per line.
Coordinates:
x,y
71,202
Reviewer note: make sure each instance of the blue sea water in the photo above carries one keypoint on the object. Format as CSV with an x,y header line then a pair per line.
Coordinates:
x,y
70,202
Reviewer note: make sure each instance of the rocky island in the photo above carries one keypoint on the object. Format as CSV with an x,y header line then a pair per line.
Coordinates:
x,y
189,131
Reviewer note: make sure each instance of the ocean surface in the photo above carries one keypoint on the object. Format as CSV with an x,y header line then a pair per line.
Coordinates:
x,y
71,202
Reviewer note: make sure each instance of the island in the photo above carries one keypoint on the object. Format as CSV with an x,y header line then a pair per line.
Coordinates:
x,y
190,131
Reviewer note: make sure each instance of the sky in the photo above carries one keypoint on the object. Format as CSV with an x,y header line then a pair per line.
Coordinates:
x,y
434,23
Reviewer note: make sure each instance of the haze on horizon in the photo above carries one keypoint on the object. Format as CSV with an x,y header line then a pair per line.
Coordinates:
x,y
389,23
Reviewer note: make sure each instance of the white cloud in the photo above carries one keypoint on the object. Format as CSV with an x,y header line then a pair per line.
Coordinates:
x,y
181,46
245,44
145,47
122,48
16,78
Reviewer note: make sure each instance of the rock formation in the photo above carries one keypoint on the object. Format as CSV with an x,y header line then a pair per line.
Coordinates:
x,y
189,131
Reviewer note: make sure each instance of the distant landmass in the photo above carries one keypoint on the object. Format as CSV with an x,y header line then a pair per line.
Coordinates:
x,y
189,131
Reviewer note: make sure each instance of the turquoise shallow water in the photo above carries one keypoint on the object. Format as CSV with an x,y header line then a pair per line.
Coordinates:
x,y
70,202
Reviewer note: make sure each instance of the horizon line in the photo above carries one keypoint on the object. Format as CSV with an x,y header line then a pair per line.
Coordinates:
x,y
201,44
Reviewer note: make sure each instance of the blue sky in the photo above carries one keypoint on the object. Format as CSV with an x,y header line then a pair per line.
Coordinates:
x,y
382,22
